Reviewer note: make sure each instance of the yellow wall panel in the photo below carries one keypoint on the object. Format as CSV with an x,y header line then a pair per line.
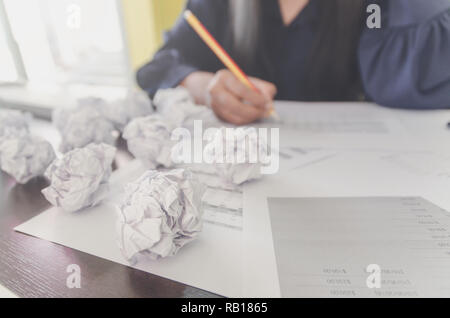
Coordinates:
x,y
145,22
167,11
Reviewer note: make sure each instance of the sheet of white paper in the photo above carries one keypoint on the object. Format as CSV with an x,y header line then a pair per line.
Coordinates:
x,y
344,118
6,293
323,246
348,174
337,160
359,125
212,262
93,230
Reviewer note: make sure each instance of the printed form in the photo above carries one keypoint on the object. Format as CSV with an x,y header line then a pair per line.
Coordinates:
x,y
361,247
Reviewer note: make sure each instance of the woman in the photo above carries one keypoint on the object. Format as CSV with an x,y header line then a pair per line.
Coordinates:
x,y
309,50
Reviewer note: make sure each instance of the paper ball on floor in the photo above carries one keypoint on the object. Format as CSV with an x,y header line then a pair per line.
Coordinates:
x,y
160,213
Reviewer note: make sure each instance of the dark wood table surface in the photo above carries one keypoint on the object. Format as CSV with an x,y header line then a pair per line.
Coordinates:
x,y
31,267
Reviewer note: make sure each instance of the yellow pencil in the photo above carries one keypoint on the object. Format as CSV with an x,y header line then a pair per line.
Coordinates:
x,y
204,34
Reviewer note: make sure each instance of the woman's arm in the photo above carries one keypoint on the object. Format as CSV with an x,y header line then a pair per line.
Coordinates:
x,y
186,60
184,52
406,63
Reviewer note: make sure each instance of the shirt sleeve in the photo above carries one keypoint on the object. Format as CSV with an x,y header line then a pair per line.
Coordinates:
x,y
406,63
183,51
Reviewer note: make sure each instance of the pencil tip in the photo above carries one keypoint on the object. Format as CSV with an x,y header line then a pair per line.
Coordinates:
x,y
275,116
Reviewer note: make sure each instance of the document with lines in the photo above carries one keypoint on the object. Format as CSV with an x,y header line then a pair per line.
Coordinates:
x,y
315,231
361,247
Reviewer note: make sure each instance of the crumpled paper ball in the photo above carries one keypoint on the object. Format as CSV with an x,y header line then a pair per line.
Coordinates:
x,y
245,147
14,123
81,126
80,178
160,213
148,139
137,104
122,110
178,107
25,157
166,97
112,111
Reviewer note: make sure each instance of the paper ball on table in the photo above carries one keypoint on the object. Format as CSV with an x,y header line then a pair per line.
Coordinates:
x,y
160,213
243,147
25,158
13,123
120,111
80,178
81,126
113,111
137,104
172,96
178,107
148,139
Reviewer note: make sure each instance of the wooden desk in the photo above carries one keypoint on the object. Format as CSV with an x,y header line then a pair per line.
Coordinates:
x,y
31,267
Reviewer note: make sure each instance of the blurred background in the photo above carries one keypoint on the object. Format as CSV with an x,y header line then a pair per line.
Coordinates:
x,y
54,50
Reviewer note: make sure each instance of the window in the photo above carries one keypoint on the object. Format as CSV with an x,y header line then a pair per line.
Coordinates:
x,y
70,41
9,72
60,50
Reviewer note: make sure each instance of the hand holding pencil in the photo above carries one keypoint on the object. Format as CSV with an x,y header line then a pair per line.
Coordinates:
x,y
233,96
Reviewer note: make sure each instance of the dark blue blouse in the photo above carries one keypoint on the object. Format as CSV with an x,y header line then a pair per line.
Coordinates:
x,y
406,63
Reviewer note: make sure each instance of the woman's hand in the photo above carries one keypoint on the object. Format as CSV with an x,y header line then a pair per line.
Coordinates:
x,y
230,99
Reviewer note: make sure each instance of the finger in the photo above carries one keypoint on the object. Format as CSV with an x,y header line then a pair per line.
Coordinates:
x,y
216,90
225,99
241,91
247,112
268,89
228,116
225,114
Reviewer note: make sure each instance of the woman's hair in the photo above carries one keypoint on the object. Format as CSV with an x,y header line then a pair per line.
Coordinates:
x,y
333,64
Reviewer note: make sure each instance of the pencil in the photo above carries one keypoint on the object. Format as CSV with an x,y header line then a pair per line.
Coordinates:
x,y
212,43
